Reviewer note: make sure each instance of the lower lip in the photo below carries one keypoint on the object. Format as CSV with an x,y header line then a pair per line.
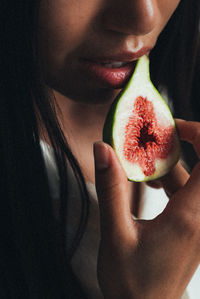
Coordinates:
x,y
110,77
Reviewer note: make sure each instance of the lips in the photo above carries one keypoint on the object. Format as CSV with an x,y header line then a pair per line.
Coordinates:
x,y
112,71
108,74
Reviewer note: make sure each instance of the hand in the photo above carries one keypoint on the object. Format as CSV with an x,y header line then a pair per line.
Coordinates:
x,y
154,258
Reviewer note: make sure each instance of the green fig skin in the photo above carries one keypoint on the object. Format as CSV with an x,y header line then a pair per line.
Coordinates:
x,y
109,123
111,119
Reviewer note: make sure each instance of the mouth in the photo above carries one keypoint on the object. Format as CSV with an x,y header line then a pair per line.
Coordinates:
x,y
114,64
112,71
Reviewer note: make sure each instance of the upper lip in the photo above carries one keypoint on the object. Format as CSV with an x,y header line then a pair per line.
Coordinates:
x,y
120,57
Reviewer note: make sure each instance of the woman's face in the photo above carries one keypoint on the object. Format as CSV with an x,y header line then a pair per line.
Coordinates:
x,y
89,47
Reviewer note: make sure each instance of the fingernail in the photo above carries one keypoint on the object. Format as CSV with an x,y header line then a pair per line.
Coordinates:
x,y
101,155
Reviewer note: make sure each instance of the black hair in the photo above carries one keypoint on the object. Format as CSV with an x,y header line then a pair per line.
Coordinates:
x,y
33,259
34,264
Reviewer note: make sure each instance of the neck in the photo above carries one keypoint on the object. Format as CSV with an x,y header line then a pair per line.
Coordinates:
x,y
82,125
82,118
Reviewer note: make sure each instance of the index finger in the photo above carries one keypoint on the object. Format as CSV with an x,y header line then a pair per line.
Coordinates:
x,y
175,179
189,131
187,199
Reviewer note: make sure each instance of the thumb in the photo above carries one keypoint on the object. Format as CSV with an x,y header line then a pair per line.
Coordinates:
x,y
112,192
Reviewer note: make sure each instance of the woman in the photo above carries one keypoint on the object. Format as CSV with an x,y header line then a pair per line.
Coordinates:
x,y
58,79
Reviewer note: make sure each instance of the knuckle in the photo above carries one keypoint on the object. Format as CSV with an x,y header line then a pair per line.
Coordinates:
x,y
186,225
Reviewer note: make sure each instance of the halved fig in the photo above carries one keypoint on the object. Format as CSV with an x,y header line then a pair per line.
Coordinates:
x,y
141,128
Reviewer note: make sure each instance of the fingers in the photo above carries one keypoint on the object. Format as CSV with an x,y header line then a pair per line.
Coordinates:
x,y
189,131
175,179
187,199
172,181
192,189
112,191
178,176
155,184
185,204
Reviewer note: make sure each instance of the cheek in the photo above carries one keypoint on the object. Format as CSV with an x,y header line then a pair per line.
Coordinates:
x,y
58,31
167,9
65,24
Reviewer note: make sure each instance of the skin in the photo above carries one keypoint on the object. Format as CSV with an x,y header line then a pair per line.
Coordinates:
x,y
148,259
72,29
133,260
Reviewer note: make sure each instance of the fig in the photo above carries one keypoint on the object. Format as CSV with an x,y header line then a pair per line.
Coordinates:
x,y
141,129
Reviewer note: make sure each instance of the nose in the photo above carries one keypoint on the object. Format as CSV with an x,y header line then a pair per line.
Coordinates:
x,y
137,17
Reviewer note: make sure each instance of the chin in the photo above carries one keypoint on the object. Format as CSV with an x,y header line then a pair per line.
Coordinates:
x,y
89,96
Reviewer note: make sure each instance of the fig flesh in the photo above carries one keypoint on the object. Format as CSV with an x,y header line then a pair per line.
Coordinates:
x,y
141,128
